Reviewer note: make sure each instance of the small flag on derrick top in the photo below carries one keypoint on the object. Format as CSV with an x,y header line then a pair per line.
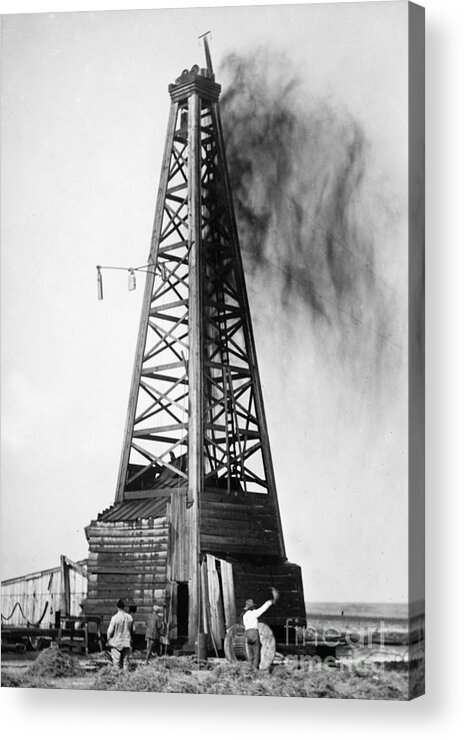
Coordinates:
x,y
99,284
132,283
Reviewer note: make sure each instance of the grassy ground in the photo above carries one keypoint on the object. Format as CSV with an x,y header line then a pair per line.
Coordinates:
x,y
54,669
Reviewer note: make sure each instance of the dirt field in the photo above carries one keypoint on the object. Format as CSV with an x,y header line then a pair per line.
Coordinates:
x,y
54,669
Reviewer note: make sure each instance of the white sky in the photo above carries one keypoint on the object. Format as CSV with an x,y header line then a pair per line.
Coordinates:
x,y
84,114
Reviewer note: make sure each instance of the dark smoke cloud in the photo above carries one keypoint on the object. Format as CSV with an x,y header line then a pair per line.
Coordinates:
x,y
298,168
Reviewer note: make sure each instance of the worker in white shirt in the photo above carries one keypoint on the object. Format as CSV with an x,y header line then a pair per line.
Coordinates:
x,y
250,622
119,636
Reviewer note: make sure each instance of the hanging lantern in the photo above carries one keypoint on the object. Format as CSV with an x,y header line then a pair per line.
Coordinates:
x,y
132,283
99,284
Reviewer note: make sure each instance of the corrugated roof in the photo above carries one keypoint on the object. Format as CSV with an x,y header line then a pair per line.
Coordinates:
x,y
137,509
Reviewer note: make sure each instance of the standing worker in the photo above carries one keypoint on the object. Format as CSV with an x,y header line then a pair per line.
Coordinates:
x,y
119,636
250,622
154,631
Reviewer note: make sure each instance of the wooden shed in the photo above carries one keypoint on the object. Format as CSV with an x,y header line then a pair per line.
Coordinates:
x,y
139,550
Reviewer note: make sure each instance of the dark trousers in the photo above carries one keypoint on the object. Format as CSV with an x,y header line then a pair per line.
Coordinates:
x,y
120,657
153,646
254,647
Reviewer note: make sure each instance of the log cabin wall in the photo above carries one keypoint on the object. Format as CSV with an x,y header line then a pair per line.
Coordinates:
x,y
128,555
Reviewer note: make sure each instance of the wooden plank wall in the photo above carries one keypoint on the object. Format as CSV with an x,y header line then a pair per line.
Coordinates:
x,y
179,539
242,524
218,601
214,601
127,559
181,534
78,590
253,580
228,591
177,567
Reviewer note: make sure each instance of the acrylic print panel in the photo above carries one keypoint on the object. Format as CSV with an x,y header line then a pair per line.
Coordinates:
x,y
243,500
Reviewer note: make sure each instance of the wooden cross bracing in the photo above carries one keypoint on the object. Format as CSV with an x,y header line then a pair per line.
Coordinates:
x,y
195,373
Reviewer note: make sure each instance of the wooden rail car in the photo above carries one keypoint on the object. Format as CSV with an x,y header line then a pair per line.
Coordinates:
x,y
43,605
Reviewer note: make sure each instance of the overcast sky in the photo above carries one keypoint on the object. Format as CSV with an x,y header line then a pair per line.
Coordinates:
x,y
84,115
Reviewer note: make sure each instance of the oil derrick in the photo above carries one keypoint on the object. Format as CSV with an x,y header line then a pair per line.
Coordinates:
x,y
195,526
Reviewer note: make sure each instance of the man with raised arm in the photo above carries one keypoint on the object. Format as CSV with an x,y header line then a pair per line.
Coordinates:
x,y
250,622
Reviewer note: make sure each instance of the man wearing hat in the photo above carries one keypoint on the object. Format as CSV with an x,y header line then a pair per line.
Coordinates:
x,y
154,631
119,636
250,622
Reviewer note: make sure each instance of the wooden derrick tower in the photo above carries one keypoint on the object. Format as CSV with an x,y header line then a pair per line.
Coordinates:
x,y
195,526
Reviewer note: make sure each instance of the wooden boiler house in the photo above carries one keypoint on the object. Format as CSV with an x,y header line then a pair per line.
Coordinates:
x,y
195,526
